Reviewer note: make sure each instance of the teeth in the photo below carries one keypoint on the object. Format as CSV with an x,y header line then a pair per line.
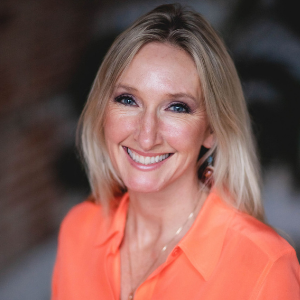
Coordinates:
x,y
146,160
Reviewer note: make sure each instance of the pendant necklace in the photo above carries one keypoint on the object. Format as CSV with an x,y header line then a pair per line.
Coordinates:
x,y
164,248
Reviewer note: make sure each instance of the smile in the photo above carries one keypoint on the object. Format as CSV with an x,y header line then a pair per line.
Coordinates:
x,y
146,160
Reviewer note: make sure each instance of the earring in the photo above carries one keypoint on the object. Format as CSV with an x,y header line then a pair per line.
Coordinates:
x,y
207,175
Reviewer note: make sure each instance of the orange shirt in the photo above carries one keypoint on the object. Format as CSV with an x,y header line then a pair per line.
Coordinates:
x,y
225,255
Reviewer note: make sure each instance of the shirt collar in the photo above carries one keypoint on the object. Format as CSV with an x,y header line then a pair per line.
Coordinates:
x,y
203,243
114,225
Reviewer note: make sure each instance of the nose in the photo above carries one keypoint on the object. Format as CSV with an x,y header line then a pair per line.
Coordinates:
x,y
148,130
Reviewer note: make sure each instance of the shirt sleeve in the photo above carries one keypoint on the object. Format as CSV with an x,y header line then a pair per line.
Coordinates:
x,y
281,280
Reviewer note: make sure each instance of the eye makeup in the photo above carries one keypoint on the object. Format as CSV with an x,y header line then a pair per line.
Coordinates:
x,y
125,99
173,106
179,107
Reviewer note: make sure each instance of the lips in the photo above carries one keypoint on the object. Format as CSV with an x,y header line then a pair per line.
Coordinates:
x,y
146,160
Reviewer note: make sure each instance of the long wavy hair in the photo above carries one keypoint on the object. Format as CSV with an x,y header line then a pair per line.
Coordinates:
x,y
236,169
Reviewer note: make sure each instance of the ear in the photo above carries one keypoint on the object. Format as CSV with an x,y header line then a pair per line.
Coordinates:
x,y
209,140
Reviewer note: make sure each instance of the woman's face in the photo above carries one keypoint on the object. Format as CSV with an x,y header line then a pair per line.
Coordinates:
x,y
156,122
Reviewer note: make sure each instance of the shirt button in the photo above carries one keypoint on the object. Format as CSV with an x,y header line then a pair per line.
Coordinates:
x,y
175,252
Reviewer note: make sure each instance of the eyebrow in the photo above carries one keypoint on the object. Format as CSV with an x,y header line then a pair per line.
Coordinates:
x,y
182,95
176,95
125,87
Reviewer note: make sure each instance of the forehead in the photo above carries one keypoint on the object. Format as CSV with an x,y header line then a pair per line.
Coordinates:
x,y
165,66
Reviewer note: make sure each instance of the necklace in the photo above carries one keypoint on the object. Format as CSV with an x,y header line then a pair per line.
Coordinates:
x,y
164,248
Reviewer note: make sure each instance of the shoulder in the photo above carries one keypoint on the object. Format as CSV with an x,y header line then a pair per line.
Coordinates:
x,y
263,251
80,222
259,237
246,232
255,250
82,212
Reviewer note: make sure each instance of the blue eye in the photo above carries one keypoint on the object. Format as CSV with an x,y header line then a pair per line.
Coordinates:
x,y
126,100
179,108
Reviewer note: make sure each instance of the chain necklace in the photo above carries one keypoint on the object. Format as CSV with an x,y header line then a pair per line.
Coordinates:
x,y
164,248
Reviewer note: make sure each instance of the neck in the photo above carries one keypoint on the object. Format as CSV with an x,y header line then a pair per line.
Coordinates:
x,y
153,218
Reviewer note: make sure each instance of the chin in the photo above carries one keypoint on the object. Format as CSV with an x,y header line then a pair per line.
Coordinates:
x,y
143,187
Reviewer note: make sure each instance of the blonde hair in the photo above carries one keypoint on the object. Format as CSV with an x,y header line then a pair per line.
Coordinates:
x,y
236,168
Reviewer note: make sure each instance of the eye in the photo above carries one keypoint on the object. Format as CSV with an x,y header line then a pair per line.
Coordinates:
x,y
126,100
179,108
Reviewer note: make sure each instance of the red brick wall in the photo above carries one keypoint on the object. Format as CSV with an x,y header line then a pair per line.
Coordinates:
x,y
41,43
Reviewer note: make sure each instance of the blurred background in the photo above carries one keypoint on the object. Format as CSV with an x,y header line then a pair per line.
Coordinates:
x,y
50,51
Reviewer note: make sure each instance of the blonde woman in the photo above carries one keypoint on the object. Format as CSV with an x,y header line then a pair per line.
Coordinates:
x,y
176,210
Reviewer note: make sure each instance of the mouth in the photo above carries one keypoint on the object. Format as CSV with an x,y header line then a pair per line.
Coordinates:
x,y
147,160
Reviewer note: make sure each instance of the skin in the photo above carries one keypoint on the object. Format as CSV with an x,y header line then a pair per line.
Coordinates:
x,y
156,108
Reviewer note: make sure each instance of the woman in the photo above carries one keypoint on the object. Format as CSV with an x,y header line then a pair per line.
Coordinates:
x,y
176,210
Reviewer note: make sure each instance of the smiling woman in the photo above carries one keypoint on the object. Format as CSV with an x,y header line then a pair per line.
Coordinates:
x,y
176,210
156,112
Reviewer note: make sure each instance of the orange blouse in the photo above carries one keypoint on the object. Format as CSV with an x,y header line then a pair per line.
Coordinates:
x,y
225,255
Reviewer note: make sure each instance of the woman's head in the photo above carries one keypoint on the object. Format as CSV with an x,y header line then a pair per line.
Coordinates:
x,y
156,122
235,160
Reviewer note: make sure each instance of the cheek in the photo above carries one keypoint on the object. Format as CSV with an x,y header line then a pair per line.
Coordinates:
x,y
184,134
117,126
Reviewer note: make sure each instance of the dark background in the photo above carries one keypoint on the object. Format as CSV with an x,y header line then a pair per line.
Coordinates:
x,y
50,51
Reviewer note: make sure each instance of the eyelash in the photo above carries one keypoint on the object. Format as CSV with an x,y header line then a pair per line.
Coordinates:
x,y
122,98
183,106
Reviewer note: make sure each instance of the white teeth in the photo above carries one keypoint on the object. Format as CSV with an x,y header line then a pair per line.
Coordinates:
x,y
142,159
146,160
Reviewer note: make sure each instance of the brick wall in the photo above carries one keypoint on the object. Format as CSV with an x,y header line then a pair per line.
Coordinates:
x,y
41,43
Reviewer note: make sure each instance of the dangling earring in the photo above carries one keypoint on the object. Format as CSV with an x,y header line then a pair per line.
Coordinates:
x,y
207,175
